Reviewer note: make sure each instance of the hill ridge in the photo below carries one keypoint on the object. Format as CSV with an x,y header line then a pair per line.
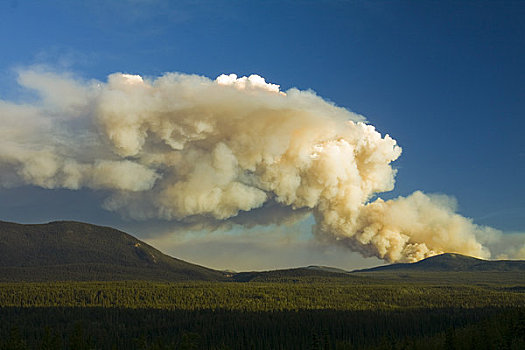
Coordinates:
x,y
449,262
71,250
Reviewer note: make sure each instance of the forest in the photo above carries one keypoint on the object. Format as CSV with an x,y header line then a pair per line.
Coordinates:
x,y
302,314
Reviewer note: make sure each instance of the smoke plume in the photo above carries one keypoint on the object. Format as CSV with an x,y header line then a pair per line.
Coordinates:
x,y
184,147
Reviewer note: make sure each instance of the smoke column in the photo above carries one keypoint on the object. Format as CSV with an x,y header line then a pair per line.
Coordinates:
x,y
184,147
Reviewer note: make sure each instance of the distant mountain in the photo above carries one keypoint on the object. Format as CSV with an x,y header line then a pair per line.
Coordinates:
x,y
69,250
437,268
452,262
74,251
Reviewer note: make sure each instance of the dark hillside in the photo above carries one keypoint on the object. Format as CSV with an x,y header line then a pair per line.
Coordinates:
x,y
73,251
68,250
451,262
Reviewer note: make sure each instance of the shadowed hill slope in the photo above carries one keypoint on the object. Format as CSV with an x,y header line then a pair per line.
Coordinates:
x,y
69,250
73,251
451,262
442,269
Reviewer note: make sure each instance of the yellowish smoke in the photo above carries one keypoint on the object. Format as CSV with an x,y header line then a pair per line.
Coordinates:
x,y
184,146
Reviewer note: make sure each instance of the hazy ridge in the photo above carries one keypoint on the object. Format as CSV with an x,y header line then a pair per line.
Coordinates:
x,y
68,250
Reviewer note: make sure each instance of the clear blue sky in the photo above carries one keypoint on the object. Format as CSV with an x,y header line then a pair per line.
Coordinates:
x,y
445,79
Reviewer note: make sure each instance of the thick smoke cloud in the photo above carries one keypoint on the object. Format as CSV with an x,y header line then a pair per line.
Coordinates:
x,y
187,148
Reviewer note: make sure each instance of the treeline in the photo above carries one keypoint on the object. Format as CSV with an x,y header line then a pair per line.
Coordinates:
x,y
256,296
114,328
203,315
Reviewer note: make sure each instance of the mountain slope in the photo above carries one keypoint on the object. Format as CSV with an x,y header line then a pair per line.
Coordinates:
x,y
451,262
66,250
69,250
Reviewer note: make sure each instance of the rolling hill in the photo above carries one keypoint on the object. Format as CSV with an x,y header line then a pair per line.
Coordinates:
x,y
74,251
77,251
452,262
444,268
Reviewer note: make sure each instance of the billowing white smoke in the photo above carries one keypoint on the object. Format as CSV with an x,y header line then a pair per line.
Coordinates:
x,y
184,146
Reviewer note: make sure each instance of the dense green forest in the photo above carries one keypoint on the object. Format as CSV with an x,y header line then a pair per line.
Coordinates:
x,y
117,328
256,296
256,315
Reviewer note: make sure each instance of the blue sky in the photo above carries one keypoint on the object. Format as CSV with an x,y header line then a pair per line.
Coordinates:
x,y
445,79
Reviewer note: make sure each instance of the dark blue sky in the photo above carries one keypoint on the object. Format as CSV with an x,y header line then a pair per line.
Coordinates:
x,y
445,79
